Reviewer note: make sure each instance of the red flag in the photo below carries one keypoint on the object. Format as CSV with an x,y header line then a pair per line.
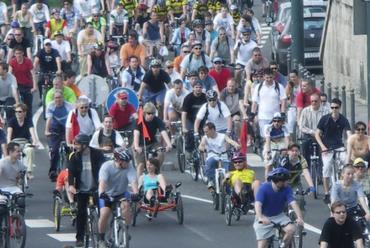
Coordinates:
x,y
140,120
244,137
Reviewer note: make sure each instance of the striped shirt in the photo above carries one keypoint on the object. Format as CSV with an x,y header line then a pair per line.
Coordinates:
x,y
310,118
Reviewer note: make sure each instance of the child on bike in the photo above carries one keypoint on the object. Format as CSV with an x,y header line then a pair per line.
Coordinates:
x,y
242,179
62,184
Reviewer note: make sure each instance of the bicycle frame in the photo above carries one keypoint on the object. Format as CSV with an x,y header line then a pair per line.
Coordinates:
x,y
337,164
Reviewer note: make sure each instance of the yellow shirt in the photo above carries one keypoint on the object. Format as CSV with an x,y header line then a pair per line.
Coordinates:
x,y
245,175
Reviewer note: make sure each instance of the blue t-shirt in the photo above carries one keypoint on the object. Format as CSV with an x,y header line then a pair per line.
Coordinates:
x,y
150,183
59,116
273,203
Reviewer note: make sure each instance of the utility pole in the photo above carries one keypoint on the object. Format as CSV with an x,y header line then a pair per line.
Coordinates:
x,y
297,31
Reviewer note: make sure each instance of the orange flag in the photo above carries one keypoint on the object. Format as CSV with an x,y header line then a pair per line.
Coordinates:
x,y
140,120
244,137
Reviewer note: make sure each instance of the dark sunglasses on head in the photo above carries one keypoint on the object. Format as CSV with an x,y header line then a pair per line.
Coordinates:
x,y
212,100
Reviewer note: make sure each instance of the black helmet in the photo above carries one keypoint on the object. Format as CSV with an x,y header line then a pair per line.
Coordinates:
x,y
211,94
122,154
278,174
82,139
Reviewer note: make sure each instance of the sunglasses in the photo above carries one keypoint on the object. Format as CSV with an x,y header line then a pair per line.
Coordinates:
x,y
238,162
359,167
149,113
314,100
169,67
18,111
276,120
334,107
17,34
217,63
245,34
340,212
84,107
95,15
197,48
273,68
186,51
212,100
123,98
360,129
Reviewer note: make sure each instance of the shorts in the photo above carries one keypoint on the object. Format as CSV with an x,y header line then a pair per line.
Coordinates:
x,y
140,158
155,98
291,119
103,203
328,161
266,231
262,124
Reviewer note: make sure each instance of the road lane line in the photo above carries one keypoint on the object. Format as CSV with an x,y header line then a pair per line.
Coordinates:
x,y
35,120
39,223
306,225
63,237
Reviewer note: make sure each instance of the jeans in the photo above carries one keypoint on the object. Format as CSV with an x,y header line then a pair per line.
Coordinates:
x,y
211,165
54,145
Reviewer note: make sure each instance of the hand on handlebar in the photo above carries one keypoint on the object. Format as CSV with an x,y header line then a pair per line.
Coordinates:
x,y
300,221
168,148
263,220
139,150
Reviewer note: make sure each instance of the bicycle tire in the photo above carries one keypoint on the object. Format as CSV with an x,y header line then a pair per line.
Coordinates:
x,y
299,237
222,194
194,170
215,201
228,211
18,239
4,232
134,211
180,154
179,209
314,177
123,235
57,213
93,226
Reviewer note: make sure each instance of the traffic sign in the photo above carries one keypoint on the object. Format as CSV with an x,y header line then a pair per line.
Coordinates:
x,y
132,97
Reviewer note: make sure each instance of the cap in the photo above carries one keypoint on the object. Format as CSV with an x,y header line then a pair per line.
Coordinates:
x,y
217,59
56,33
47,41
122,95
233,7
358,162
277,116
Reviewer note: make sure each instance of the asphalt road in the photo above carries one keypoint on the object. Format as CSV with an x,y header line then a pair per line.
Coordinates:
x,y
203,227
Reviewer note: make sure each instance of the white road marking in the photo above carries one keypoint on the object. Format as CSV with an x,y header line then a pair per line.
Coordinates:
x,y
35,120
39,223
63,237
306,225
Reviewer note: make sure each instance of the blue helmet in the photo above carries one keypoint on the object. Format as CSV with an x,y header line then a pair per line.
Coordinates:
x,y
278,174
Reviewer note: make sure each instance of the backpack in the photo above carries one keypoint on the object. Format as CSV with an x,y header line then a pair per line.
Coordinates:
x,y
277,88
202,55
112,137
204,120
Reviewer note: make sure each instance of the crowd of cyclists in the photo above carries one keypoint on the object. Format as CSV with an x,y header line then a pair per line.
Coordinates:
x,y
196,62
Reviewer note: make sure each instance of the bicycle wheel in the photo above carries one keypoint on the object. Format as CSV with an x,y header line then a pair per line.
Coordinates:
x,y
228,211
57,213
17,237
180,154
298,237
179,209
123,238
222,194
134,212
93,226
4,234
216,200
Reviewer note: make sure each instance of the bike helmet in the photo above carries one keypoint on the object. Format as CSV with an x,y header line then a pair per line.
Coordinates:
x,y
245,30
238,156
277,117
359,162
55,11
197,22
98,45
122,154
155,62
82,139
211,94
278,174
14,24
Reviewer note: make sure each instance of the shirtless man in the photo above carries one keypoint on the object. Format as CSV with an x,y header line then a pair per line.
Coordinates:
x,y
358,143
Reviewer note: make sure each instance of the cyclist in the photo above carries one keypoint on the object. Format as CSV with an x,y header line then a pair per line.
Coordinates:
x,y
214,111
153,124
153,33
55,24
215,144
350,193
40,16
256,63
358,144
61,185
68,93
340,231
24,18
114,177
64,49
98,62
242,178
4,20
211,35
123,112
329,136
180,36
277,137
153,86
71,16
185,50
220,74
56,116
271,200
291,91
8,90
133,75
83,167
86,39
225,20
132,48
362,175
173,102
207,81
86,8
22,127
244,46
19,41
81,120
303,96
310,117
222,47
174,75
118,23
270,98
150,182
48,59
99,23
106,138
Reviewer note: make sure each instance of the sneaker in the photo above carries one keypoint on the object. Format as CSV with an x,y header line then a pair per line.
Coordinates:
x,y
30,175
53,176
149,215
80,243
102,244
211,185
327,199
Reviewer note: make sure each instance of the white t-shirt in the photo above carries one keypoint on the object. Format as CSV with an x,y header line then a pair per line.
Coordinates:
x,y
118,18
94,142
173,100
217,145
40,15
174,75
63,48
226,22
87,125
3,12
195,62
245,51
268,100
214,115
85,7
126,78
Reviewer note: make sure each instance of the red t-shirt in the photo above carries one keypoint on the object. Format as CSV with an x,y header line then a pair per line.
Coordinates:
x,y
121,117
303,100
22,72
220,78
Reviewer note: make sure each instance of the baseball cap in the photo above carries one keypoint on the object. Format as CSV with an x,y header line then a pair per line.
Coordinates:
x,y
359,162
245,30
47,41
196,43
217,59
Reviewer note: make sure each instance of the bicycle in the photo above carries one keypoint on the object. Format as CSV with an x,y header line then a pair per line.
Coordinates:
x,y
269,12
337,163
47,84
118,234
38,43
91,229
113,81
180,145
357,214
127,137
315,169
60,209
12,225
298,236
63,153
